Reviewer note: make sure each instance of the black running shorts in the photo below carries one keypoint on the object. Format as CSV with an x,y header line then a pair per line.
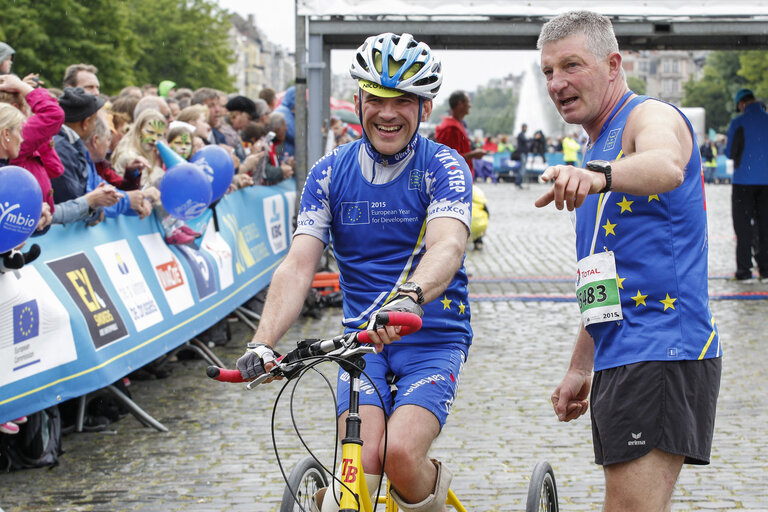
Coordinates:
x,y
668,405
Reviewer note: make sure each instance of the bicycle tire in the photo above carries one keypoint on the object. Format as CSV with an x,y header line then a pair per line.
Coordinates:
x,y
306,478
542,491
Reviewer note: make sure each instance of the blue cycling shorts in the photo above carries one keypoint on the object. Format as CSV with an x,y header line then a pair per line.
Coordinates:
x,y
428,376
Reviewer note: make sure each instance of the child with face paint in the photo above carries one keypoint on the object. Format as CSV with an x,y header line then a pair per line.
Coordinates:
x,y
180,140
176,231
140,140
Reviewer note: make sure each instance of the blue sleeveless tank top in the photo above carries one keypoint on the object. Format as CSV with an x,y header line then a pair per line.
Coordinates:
x,y
660,245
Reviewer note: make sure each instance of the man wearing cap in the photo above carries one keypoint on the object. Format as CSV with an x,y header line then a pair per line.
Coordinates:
x,y
397,207
748,147
166,88
80,176
6,58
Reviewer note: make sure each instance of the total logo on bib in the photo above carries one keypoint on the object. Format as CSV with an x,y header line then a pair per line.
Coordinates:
x,y
597,289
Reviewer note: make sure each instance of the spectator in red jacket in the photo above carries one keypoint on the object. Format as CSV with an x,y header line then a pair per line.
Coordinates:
x,y
452,131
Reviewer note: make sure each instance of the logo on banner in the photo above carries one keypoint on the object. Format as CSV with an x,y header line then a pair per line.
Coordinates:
x,y
26,321
202,270
121,265
243,257
356,213
82,283
170,275
274,213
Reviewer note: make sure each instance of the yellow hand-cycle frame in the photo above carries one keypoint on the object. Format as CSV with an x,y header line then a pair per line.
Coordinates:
x,y
355,489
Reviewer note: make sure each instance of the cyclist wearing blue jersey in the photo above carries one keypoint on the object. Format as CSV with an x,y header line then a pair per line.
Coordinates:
x,y
641,239
397,208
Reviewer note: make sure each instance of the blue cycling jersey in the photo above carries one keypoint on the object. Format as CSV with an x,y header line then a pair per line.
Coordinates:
x,y
376,215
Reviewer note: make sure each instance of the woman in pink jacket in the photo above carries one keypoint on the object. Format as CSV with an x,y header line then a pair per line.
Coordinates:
x,y
44,120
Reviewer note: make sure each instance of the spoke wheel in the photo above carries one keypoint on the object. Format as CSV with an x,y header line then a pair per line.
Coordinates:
x,y
305,480
542,491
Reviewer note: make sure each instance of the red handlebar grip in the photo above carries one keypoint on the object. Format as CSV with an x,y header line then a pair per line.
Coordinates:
x,y
410,323
224,374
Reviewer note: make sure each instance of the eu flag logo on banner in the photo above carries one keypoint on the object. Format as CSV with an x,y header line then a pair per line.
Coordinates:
x,y
355,213
26,321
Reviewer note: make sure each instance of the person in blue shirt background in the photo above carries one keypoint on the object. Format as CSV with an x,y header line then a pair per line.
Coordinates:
x,y
748,147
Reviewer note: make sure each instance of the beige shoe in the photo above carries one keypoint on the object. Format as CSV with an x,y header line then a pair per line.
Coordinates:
x,y
317,500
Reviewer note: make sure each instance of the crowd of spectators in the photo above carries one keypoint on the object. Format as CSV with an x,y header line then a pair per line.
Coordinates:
x,y
96,156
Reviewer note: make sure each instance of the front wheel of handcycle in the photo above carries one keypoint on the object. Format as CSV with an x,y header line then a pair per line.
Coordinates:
x,y
305,480
542,491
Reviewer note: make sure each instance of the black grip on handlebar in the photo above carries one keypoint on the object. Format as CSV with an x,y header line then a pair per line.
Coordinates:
x,y
410,323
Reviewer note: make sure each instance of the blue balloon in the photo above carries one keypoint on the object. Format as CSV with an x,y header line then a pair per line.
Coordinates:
x,y
218,165
21,202
185,191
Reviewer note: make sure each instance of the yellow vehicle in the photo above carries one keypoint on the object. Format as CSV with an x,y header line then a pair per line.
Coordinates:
x,y
309,475
479,217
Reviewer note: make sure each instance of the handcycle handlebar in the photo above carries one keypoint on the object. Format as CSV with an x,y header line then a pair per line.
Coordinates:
x,y
290,364
409,323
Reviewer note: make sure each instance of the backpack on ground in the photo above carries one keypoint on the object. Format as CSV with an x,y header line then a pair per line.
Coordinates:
x,y
38,443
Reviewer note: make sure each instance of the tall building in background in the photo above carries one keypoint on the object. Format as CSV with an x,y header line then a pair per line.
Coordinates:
x,y
258,62
665,72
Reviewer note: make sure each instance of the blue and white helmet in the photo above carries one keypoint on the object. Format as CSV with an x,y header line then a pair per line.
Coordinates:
x,y
388,65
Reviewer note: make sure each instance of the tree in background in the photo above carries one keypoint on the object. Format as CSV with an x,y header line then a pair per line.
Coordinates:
x,y
754,69
724,74
493,110
637,84
131,42
183,40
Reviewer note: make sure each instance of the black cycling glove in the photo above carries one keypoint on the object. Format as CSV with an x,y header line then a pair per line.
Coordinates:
x,y
251,364
400,303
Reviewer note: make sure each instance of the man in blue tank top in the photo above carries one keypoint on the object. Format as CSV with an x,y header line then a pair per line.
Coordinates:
x,y
641,240
397,208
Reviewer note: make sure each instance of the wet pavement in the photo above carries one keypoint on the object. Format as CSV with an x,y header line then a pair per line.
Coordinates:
x,y
218,454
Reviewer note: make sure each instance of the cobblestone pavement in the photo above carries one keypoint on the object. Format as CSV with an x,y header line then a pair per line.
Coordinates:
x,y
218,456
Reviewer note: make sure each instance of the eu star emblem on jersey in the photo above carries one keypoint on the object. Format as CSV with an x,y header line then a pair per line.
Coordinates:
x,y
597,289
358,212
415,179
610,142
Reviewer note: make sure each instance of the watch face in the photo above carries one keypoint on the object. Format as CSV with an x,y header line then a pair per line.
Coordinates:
x,y
599,165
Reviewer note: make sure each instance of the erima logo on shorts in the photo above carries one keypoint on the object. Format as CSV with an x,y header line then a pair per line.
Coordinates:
x,y
636,441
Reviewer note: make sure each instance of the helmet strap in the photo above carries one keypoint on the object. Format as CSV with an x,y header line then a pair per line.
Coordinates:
x,y
373,152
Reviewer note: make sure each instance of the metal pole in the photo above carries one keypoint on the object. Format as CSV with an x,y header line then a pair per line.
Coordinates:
x,y
300,173
316,70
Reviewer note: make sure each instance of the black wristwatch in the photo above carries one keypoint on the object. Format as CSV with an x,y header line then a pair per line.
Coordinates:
x,y
411,287
604,167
